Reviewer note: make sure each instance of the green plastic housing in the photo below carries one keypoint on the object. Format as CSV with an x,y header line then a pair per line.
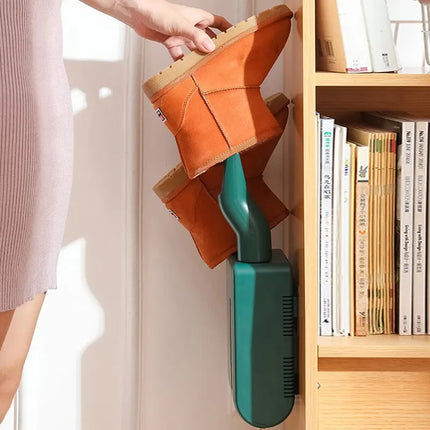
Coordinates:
x,y
244,216
262,339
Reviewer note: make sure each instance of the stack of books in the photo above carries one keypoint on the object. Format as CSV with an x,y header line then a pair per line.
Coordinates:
x,y
354,36
373,224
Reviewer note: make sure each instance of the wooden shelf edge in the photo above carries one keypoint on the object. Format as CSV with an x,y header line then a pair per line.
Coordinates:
x,y
331,79
383,346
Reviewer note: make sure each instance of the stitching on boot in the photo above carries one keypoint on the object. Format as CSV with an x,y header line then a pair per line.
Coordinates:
x,y
243,145
245,87
198,197
184,108
223,132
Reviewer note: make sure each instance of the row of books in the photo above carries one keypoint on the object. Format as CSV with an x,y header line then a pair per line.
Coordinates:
x,y
354,36
373,259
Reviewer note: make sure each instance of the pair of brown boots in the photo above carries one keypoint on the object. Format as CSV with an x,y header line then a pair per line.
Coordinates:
x,y
213,106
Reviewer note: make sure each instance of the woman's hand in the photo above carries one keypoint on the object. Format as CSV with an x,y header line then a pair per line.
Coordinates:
x,y
171,24
175,25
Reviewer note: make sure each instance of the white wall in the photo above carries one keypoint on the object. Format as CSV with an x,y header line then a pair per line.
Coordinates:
x,y
405,16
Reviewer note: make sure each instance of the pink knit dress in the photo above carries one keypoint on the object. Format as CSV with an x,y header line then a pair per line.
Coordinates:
x,y
36,148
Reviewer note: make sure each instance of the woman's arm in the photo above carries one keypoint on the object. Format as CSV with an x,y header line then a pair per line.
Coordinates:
x,y
171,24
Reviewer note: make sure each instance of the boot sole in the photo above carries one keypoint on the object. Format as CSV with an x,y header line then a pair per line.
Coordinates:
x,y
177,178
183,67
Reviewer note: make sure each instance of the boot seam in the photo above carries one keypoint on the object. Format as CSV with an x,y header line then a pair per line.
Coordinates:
x,y
202,188
184,109
244,87
237,148
223,132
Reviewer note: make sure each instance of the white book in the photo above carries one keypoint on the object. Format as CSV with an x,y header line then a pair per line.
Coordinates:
x,y
405,130
339,139
379,35
420,220
355,43
342,44
326,213
318,184
341,233
419,265
345,229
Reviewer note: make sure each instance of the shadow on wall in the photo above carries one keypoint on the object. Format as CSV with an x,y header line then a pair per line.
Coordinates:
x,y
94,215
77,351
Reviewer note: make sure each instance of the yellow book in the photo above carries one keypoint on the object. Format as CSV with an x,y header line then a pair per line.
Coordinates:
x,y
391,234
362,241
364,260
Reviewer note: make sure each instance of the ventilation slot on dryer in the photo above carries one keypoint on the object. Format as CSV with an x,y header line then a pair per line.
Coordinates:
x,y
287,316
288,376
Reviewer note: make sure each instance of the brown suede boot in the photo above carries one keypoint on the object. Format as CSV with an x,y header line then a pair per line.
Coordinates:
x,y
194,201
212,102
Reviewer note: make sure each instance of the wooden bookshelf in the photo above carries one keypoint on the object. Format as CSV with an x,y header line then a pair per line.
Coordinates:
x,y
353,383
383,346
330,79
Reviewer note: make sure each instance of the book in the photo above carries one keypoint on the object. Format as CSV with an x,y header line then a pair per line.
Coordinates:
x,y
376,250
352,238
377,140
419,260
405,132
388,231
339,138
361,241
364,229
392,161
318,187
345,228
420,228
341,37
340,233
326,218
379,35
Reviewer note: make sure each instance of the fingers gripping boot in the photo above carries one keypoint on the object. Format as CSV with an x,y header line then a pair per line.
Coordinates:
x,y
212,103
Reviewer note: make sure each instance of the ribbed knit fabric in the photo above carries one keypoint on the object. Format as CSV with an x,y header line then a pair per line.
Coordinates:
x,y
36,148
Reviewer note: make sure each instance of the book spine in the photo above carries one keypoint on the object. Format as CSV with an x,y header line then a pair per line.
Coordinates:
x,y
404,226
428,251
318,186
326,215
379,36
353,29
392,229
362,242
420,219
352,238
345,228
336,236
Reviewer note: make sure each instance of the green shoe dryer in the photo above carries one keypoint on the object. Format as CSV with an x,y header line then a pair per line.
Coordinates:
x,y
262,310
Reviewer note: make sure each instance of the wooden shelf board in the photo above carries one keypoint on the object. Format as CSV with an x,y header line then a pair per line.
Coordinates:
x,y
382,346
410,79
